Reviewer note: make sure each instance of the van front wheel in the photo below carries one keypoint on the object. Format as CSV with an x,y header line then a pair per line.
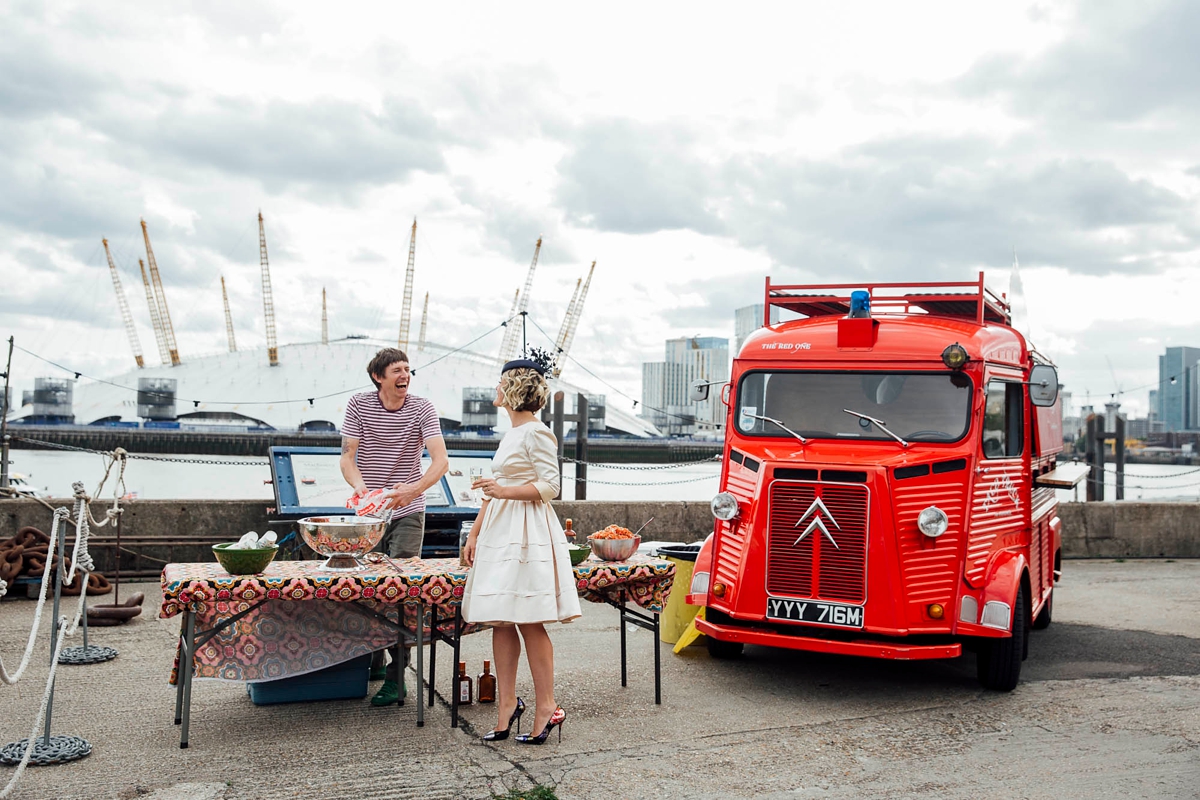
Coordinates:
x,y
998,661
723,650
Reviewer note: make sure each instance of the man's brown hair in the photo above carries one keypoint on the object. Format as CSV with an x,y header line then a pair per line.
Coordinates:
x,y
382,360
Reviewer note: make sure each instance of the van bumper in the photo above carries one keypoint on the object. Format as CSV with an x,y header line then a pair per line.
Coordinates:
x,y
871,649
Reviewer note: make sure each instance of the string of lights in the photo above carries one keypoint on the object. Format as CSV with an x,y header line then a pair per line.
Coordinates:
x,y
635,401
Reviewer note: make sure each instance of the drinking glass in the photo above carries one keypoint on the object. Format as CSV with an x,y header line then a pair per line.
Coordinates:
x,y
476,473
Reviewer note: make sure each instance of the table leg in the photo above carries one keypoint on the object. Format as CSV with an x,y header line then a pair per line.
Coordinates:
x,y
179,673
454,667
657,662
433,640
187,664
420,663
400,651
623,676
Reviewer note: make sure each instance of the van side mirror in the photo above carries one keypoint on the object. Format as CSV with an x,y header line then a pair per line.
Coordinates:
x,y
1043,385
698,391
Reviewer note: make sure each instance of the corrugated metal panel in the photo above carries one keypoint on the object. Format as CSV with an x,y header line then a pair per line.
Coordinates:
x,y
996,509
929,567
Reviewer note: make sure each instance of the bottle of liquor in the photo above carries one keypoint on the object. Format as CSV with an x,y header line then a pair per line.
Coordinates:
x,y
570,533
464,686
487,684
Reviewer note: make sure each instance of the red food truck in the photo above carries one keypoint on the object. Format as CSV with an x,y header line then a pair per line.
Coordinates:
x,y
887,483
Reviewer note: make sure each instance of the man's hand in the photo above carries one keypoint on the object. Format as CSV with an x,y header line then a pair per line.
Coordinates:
x,y
402,494
360,488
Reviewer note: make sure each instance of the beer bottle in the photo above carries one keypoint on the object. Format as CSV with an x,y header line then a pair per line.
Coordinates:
x,y
487,684
464,686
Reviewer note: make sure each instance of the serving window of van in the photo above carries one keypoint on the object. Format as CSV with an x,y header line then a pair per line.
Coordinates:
x,y
916,406
1003,420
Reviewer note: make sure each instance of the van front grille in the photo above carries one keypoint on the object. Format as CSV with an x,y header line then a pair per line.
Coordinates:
x,y
830,561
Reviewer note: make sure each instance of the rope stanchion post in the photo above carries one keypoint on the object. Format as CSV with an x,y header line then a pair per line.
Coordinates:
x,y
82,562
49,749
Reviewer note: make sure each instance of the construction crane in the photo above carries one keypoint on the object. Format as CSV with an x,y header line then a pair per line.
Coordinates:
x,y
228,318
324,319
562,332
268,303
424,322
406,309
569,338
511,334
155,318
510,327
130,331
164,315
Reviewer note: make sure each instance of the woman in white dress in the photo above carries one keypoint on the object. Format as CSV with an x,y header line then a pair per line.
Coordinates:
x,y
521,576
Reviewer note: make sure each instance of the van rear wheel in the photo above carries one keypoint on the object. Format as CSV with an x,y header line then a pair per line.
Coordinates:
x,y
998,661
723,650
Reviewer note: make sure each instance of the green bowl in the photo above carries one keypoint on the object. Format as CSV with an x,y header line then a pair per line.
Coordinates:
x,y
243,562
578,554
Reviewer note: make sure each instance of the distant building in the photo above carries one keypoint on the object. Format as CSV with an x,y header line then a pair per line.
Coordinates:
x,y
1137,428
748,319
1178,395
665,385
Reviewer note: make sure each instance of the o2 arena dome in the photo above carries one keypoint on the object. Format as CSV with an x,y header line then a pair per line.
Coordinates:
x,y
241,389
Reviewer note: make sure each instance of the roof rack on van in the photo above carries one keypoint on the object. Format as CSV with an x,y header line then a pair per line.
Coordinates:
x,y
825,299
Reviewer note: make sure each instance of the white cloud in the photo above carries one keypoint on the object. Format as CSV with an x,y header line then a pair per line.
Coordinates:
x,y
690,154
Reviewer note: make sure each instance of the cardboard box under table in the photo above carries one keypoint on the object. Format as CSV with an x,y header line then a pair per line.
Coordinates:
x,y
295,619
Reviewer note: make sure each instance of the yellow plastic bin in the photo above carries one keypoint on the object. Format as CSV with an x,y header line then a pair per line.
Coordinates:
x,y
678,614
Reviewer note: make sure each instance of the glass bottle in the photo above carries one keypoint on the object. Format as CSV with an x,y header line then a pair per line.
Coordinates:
x,y
569,532
464,686
487,684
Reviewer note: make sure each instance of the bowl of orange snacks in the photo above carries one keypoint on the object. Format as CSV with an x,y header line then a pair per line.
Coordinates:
x,y
614,543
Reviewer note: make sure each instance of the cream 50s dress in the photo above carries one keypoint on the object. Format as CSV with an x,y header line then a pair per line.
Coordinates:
x,y
522,572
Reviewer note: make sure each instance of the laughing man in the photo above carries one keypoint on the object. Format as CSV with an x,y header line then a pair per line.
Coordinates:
x,y
383,436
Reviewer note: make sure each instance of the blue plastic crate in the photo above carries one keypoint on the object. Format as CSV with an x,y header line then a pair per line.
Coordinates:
x,y
344,681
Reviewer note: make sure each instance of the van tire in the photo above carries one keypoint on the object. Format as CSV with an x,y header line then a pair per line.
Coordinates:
x,y
723,650
1044,616
998,661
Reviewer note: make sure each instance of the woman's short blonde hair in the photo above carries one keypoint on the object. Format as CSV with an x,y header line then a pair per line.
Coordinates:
x,y
524,389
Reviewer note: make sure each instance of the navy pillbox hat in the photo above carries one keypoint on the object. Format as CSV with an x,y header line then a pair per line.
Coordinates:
x,y
526,363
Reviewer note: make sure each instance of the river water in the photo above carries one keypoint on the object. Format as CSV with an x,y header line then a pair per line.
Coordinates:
x,y
248,478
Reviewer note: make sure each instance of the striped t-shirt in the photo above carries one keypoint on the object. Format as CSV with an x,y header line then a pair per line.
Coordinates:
x,y
390,443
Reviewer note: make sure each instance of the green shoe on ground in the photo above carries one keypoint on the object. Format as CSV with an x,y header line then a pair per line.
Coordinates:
x,y
378,673
390,692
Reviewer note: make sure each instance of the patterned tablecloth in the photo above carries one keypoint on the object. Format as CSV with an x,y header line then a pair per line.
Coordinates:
x,y
298,629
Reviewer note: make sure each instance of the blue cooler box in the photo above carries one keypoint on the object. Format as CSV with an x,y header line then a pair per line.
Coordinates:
x,y
344,681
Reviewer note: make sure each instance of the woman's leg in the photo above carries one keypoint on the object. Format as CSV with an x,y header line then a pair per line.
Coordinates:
x,y
540,652
506,652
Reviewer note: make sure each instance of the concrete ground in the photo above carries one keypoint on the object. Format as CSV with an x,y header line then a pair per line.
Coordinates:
x,y
1108,706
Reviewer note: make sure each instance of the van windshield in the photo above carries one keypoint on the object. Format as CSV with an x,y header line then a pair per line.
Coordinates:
x,y
919,407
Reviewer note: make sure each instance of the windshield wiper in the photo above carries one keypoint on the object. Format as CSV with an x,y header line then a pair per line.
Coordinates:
x,y
780,424
878,422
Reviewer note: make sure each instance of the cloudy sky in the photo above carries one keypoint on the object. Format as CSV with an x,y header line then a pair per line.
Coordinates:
x,y
689,149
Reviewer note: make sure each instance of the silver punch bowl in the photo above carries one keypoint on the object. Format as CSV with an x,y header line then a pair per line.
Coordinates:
x,y
343,540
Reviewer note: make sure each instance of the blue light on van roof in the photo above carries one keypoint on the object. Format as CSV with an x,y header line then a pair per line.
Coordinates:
x,y
860,304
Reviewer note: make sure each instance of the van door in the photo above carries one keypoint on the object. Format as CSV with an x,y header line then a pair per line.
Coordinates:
x,y
999,497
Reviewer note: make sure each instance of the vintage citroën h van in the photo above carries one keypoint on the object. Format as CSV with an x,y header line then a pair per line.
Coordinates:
x,y
880,487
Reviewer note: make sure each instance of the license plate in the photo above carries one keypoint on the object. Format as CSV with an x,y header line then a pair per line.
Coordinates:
x,y
837,614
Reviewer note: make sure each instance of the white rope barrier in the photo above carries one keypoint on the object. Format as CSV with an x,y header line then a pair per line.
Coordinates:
x,y
81,566
41,715
59,514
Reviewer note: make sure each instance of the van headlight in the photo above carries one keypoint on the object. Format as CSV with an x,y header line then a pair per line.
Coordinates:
x,y
933,522
724,506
